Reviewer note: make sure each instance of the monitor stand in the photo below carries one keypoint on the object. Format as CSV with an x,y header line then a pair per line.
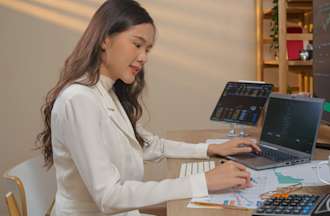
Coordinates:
x,y
233,131
242,132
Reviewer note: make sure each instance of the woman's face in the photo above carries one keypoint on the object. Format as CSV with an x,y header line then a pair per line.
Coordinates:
x,y
126,53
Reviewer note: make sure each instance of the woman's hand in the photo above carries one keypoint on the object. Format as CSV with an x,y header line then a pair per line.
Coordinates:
x,y
234,146
227,175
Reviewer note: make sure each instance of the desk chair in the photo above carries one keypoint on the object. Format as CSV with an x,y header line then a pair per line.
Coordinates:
x,y
12,204
35,186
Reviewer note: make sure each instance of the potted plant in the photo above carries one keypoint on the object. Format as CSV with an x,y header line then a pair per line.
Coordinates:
x,y
274,28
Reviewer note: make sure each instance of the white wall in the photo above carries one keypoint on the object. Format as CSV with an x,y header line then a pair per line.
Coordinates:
x,y
201,45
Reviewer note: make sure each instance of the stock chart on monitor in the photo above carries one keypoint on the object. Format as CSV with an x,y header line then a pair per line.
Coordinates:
x,y
241,102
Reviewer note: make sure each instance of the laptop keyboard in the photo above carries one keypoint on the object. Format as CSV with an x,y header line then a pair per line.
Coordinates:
x,y
193,168
275,155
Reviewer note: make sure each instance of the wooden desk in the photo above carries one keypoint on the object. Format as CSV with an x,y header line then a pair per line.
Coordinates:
x,y
178,207
324,134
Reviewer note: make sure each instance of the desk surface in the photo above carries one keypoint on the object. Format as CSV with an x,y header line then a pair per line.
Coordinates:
x,y
178,207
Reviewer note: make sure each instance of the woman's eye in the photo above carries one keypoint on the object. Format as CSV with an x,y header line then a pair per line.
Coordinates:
x,y
137,45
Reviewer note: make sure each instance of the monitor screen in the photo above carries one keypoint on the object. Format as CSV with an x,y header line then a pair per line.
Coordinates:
x,y
241,102
321,54
292,122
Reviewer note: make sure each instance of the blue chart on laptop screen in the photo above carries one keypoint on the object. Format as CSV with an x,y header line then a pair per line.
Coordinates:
x,y
241,102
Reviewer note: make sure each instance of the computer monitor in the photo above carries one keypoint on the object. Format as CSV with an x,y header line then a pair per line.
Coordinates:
x,y
241,103
322,90
321,60
321,55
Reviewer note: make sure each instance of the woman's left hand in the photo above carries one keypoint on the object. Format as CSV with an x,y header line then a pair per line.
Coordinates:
x,y
234,146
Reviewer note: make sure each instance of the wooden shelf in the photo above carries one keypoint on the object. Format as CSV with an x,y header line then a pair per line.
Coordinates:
x,y
268,14
271,63
294,89
291,36
300,5
299,36
294,7
274,63
300,63
300,1
268,40
291,13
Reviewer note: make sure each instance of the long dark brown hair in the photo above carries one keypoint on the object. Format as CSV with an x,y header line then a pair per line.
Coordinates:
x,y
114,16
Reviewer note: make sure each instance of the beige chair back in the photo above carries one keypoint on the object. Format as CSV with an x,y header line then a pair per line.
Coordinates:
x,y
36,186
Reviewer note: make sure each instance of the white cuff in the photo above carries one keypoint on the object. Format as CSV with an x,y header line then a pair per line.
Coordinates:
x,y
201,149
198,185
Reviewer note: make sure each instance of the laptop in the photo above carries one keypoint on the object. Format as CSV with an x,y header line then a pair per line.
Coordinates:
x,y
289,132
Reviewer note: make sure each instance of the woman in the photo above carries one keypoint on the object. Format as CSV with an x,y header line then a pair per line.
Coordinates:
x,y
92,135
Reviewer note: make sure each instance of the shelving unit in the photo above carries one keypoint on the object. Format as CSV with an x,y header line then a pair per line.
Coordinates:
x,y
290,12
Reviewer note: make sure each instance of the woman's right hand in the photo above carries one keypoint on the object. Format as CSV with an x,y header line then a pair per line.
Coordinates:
x,y
227,175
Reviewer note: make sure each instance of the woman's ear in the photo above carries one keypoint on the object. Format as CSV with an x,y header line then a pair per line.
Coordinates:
x,y
106,43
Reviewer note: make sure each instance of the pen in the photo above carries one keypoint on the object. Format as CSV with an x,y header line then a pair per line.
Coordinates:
x,y
210,205
216,205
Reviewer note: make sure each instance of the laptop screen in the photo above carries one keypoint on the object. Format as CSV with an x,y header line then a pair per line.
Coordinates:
x,y
292,122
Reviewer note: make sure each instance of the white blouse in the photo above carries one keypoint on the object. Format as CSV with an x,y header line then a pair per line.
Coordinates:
x,y
99,162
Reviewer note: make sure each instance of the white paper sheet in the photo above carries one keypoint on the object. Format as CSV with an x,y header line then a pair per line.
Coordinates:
x,y
268,180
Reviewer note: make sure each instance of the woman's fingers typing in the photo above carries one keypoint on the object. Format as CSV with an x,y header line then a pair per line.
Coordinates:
x,y
234,146
251,143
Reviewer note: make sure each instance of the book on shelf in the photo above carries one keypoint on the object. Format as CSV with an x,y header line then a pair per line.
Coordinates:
x,y
294,46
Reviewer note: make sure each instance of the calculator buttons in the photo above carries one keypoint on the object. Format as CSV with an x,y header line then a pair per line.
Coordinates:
x,y
297,204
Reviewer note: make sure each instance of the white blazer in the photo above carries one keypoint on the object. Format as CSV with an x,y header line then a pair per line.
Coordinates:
x,y
99,162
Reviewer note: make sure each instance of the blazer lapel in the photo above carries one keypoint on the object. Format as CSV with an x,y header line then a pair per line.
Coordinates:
x,y
116,112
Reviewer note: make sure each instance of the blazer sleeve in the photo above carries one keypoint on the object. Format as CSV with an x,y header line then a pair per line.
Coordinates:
x,y
82,133
156,147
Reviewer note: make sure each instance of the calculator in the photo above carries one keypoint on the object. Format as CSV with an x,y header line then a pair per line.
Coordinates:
x,y
295,204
